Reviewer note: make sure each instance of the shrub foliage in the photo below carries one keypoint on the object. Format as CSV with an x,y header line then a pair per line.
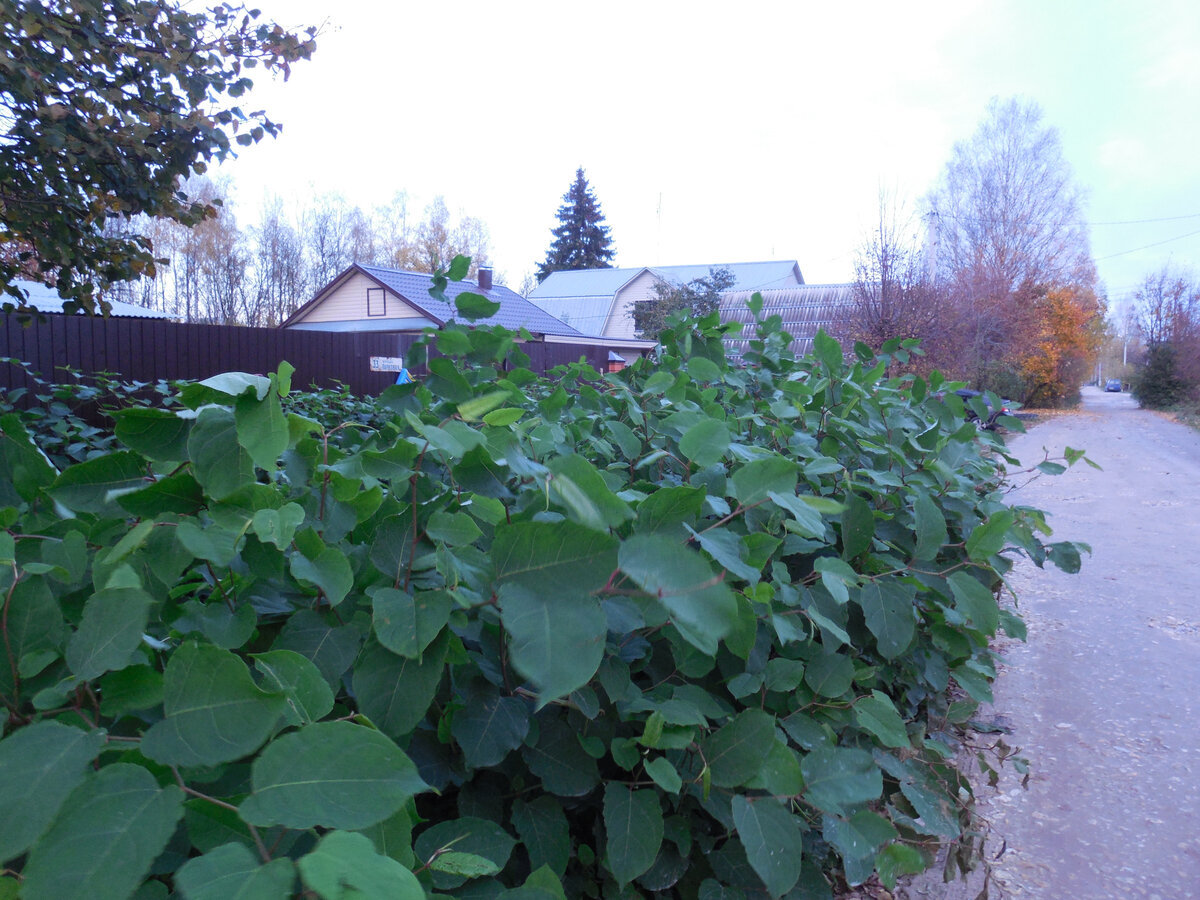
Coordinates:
x,y
683,631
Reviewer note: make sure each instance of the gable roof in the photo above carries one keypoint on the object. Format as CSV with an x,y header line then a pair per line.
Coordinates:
x,y
748,276
804,310
413,288
45,299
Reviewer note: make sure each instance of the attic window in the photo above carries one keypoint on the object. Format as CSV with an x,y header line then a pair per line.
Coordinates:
x,y
376,302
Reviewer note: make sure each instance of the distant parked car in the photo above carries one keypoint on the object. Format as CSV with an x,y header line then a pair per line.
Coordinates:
x,y
1113,384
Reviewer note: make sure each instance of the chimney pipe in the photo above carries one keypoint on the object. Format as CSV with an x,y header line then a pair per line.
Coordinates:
x,y
485,278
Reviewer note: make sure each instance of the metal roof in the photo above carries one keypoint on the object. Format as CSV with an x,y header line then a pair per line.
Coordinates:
x,y
413,287
45,299
804,309
582,283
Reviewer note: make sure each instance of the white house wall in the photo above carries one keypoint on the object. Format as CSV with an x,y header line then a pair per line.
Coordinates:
x,y
620,320
348,302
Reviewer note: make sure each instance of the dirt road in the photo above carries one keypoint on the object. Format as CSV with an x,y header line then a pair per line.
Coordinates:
x,y
1104,697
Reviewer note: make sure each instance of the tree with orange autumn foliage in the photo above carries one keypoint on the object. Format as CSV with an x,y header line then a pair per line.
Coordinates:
x,y
1067,332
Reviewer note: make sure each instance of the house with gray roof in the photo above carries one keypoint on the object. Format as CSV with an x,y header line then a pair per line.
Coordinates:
x,y
804,309
378,299
600,301
45,299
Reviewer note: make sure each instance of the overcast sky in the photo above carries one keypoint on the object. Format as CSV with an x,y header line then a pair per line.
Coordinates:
x,y
729,132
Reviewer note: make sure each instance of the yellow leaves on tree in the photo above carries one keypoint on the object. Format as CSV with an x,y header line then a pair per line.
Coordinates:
x,y
1068,330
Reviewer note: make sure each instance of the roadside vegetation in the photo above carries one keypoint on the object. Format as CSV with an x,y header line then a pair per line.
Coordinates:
x,y
684,631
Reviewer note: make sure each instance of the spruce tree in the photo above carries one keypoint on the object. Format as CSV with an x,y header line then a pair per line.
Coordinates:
x,y
582,240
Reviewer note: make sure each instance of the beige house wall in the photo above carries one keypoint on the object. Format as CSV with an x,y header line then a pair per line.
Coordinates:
x,y
620,319
348,302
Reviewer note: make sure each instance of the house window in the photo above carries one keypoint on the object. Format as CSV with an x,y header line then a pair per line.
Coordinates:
x,y
376,302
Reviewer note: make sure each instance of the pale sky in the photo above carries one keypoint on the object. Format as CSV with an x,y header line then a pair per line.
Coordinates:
x,y
731,132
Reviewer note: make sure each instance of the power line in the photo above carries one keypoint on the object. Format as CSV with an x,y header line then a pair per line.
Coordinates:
x,y
1147,221
1148,246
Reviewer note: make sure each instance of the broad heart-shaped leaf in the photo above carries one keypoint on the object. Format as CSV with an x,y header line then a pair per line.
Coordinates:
x,y
23,467
840,777
330,775
105,837
214,711
345,866
332,649
219,463
473,307
560,761
670,510
856,839
467,834
700,605
405,623
705,442
395,692
934,808
858,526
554,557
987,539
178,493
33,622
772,840
278,526
154,433
230,872
262,428
556,639
330,571
633,821
888,609
975,601
830,674
111,629
736,752
754,481
576,485
544,832
39,766
827,349
90,486
930,526
491,726
877,714
300,681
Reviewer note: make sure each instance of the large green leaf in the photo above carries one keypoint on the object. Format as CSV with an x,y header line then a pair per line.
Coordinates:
x,y
560,761
406,623
877,714
490,727
544,832
331,648
930,527
219,463
975,601
93,485
178,493
111,629
330,775
330,571
754,481
262,428
554,557
633,821
393,691
700,605
39,766
230,872
772,839
23,467
345,866
557,639
154,433
300,681
888,609
858,526
670,510
987,539
577,485
839,777
215,712
736,752
105,837
465,834
830,674
705,442
857,838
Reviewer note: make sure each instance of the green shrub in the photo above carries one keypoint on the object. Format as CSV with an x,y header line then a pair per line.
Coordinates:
x,y
683,631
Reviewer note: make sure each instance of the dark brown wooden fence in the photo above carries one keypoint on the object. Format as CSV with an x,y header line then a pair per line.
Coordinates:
x,y
151,349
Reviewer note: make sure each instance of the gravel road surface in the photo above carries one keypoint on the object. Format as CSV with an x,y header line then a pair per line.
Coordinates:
x,y
1103,698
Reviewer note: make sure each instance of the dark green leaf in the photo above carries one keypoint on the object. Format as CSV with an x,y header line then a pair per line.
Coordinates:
x,y
262,428
345,866
838,777
557,639
39,766
91,486
231,872
554,557
668,510
214,711
331,649
543,828
633,821
772,840
329,571
705,442
490,727
888,608
407,624
330,775
300,681
930,528
735,753
577,485
218,462
395,692
877,714
830,674
105,837
756,480
466,834
560,761
975,601
178,493
111,629
987,539
154,433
